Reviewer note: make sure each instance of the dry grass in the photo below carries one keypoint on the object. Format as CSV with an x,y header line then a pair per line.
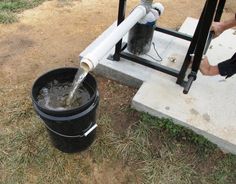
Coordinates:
x,y
6,17
150,151
8,8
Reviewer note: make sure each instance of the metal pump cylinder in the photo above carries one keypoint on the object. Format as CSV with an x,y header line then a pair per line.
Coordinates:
x,y
141,35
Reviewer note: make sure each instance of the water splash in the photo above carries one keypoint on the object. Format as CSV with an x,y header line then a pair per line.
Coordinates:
x,y
79,78
66,95
55,94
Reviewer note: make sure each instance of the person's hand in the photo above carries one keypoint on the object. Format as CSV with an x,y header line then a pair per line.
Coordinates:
x,y
204,66
207,69
217,28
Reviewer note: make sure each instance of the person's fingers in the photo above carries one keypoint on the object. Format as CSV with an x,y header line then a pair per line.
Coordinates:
x,y
217,29
214,30
204,66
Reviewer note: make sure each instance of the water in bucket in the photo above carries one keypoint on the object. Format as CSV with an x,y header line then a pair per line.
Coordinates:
x,y
79,77
64,95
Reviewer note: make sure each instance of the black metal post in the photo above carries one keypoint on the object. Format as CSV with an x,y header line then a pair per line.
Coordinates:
x,y
210,10
219,10
218,14
121,17
201,42
187,60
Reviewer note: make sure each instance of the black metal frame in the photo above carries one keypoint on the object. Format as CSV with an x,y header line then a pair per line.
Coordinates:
x,y
200,42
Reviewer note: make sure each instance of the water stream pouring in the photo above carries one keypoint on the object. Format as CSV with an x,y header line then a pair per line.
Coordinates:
x,y
79,78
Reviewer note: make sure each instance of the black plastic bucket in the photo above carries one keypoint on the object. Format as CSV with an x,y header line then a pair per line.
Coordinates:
x,y
140,39
70,130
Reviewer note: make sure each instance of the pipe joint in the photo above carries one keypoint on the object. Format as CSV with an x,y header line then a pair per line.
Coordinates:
x,y
147,4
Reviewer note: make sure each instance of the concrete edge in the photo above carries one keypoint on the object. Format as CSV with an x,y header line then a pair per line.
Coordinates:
x,y
120,77
225,146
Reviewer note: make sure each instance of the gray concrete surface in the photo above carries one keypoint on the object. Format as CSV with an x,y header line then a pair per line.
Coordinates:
x,y
210,107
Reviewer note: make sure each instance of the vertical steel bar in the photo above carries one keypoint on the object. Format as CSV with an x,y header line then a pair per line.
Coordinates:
x,y
219,10
201,42
209,15
121,18
218,14
192,46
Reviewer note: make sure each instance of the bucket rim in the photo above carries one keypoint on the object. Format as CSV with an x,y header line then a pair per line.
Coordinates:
x,y
59,111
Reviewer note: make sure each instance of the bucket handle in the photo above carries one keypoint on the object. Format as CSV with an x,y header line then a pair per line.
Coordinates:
x,y
75,136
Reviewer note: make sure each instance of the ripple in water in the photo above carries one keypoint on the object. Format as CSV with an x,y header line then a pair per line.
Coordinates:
x,y
55,95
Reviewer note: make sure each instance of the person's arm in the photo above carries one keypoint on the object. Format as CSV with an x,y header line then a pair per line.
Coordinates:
x,y
226,68
223,68
220,27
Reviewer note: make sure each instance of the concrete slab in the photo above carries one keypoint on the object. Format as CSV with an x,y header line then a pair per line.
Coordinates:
x,y
208,109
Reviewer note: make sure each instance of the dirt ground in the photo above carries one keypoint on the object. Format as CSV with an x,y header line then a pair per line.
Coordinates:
x,y
53,34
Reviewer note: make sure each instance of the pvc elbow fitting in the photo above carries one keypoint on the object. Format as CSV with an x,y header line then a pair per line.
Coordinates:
x,y
159,7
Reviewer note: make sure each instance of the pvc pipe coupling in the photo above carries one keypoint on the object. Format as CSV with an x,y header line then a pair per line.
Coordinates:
x,y
147,4
158,7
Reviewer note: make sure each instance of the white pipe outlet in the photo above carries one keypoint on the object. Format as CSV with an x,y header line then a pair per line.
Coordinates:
x,y
91,60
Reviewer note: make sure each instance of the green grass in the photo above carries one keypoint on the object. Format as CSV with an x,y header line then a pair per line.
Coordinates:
x,y
9,9
104,143
225,170
7,17
174,131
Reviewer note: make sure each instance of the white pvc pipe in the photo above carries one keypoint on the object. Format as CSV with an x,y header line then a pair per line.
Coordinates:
x,y
90,61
